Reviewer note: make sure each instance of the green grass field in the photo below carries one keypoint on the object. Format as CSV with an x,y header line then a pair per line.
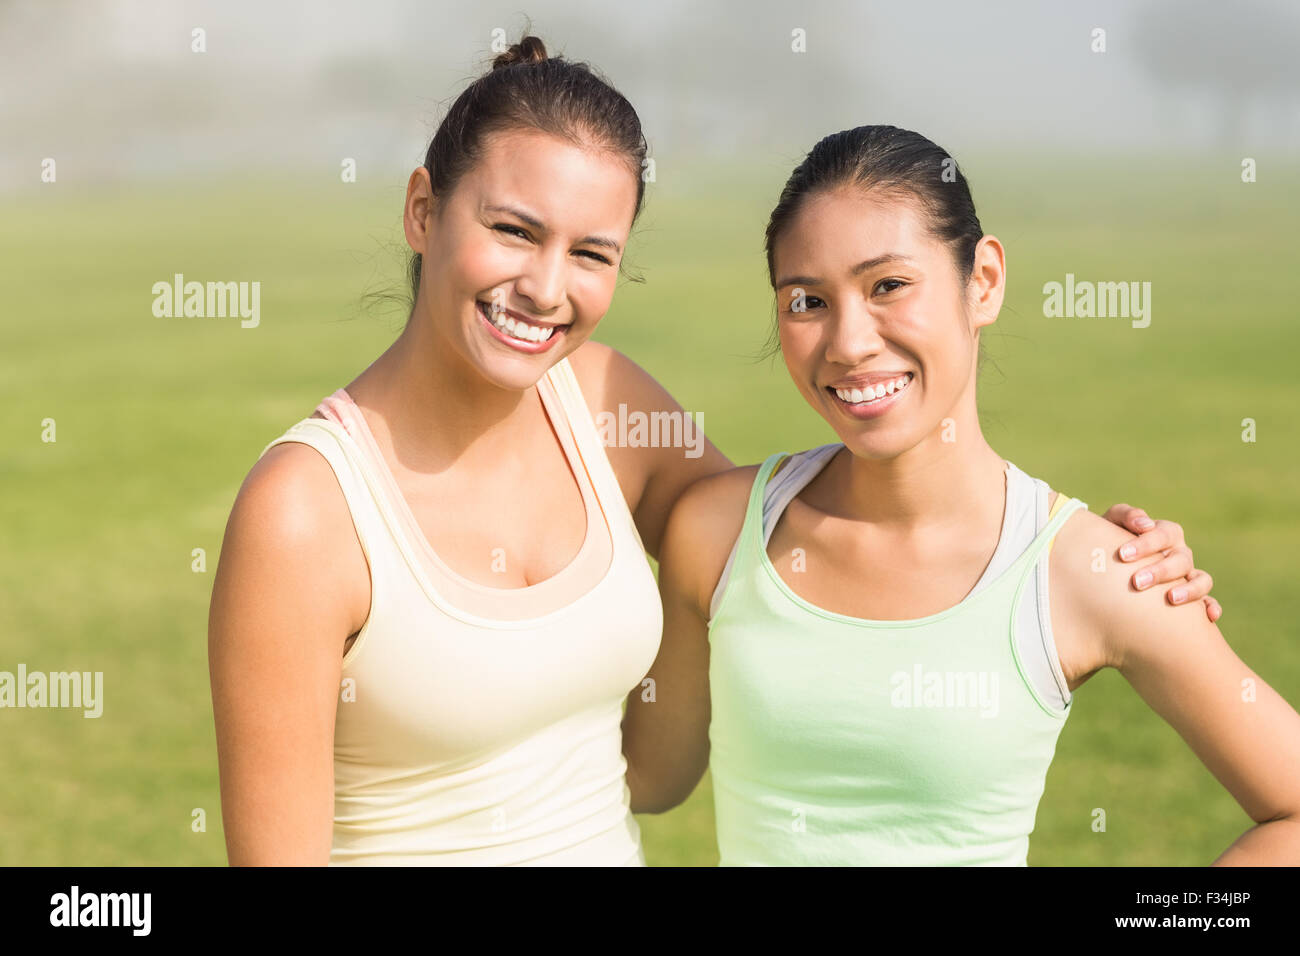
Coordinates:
x,y
159,419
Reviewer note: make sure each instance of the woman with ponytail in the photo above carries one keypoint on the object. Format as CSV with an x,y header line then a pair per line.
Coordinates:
x,y
875,643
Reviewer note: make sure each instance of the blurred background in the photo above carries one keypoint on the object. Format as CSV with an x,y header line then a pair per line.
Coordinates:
x,y
1164,149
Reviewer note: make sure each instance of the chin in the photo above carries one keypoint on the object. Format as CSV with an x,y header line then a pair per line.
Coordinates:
x,y
513,374
877,441
873,448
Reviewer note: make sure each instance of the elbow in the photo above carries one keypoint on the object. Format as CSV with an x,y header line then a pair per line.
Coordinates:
x,y
650,799
656,805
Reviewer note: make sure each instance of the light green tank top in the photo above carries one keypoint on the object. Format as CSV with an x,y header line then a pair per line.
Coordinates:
x,y
842,741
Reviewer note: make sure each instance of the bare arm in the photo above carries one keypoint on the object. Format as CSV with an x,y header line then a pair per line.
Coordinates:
x,y
652,478
666,740
1177,660
284,600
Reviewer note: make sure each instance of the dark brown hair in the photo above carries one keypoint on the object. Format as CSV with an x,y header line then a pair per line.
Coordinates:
x,y
527,89
891,160
894,161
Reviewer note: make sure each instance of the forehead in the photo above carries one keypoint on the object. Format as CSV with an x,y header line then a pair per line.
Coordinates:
x,y
559,180
837,228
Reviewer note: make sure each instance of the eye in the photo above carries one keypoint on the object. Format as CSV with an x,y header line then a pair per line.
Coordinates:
x,y
810,302
595,255
510,230
896,283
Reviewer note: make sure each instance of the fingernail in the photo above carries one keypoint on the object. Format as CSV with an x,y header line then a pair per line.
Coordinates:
x,y
1179,594
1128,551
1143,579
1145,523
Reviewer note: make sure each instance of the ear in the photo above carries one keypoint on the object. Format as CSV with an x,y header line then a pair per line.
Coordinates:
x,y
417,216
987,283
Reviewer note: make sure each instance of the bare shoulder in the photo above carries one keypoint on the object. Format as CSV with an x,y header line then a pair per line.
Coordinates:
x,y
653,473
718,499
702,528
1085,554
608,377
291,494
290,522
1094,604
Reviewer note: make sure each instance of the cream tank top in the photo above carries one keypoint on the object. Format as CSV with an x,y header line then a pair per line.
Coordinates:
x,y
479,725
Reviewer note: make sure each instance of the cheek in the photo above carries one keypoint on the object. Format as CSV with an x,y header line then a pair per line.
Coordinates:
x,y
592,293
800,343
915,320
479,264
926,331
800,339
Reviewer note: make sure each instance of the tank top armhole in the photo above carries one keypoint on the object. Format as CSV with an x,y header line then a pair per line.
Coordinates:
x,y
715,603
1056,506
350,485
753,514
1045,608
1044,674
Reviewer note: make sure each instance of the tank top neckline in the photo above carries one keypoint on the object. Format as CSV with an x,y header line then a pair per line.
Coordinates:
x,y
532,602
982,587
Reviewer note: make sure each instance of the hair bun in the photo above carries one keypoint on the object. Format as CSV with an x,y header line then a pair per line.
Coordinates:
x,y
528,50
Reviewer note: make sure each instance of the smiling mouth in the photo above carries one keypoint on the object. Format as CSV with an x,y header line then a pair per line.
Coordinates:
x,y
869,394
517,328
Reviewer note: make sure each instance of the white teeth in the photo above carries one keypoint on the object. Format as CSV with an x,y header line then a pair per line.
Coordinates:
x,y
873,393
519,330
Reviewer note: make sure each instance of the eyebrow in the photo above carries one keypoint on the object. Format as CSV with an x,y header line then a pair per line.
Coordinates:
x,y
857,270
540,227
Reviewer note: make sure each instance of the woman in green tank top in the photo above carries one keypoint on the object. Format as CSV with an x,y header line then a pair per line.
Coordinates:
x,y
820,690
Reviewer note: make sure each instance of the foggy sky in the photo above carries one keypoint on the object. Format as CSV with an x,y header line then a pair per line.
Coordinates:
x,y
112,90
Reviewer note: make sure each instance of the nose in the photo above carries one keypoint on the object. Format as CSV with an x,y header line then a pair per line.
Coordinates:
x,y
543,282
853,336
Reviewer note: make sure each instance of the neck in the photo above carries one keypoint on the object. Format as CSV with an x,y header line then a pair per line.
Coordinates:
x,y
434,405
936,482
